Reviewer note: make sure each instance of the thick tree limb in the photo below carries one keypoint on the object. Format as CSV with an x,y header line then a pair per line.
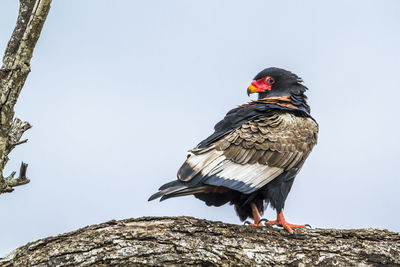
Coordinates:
x,y
185,241
13,73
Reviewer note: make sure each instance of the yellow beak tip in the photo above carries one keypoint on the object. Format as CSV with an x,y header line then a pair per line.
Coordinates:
x,y
251,89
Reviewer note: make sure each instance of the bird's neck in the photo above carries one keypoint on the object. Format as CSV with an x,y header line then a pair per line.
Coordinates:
x,y
293,101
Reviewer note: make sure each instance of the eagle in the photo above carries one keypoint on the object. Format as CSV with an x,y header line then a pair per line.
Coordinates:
x,y
255,152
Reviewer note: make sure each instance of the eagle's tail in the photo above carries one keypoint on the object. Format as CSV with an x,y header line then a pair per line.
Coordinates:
x,y
176,189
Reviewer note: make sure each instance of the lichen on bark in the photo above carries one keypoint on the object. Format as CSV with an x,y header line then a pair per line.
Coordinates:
x,y
13,74
186,241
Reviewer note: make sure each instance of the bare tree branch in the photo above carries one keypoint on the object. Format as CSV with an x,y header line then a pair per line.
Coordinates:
x,y
13,73
185,241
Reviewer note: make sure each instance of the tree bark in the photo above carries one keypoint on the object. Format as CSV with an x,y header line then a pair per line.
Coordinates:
x,y
186,241
13,73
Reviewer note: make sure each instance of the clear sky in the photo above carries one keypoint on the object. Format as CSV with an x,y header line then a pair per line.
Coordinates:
x,y
120,90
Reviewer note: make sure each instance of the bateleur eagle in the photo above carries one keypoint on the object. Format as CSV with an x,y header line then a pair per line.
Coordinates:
x,y
255,153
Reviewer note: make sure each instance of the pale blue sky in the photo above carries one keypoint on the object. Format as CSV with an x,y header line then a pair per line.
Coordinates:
x,y
120,90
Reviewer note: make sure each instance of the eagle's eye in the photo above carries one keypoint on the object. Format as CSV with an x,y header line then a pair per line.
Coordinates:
x,y
270,80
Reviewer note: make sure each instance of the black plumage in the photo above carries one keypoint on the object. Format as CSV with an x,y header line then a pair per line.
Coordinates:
x,y
255,152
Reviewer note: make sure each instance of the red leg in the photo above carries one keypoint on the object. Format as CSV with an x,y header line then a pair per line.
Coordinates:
x,y
280,220
256,215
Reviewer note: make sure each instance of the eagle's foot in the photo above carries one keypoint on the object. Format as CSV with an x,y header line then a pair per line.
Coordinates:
x,y
259,223
280,221
256,216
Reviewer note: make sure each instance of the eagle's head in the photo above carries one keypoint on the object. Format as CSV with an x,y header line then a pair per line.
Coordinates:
x,y
276,82
279,83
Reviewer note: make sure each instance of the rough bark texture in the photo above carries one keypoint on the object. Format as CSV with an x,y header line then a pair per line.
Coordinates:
x,y
185,241
13,73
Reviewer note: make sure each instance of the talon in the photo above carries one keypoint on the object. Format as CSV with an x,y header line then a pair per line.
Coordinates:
x,y
256,215
308,226
247,223
280,221
263,220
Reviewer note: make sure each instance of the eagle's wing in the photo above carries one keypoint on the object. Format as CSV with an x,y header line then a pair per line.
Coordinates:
x,y
251,156
233,120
